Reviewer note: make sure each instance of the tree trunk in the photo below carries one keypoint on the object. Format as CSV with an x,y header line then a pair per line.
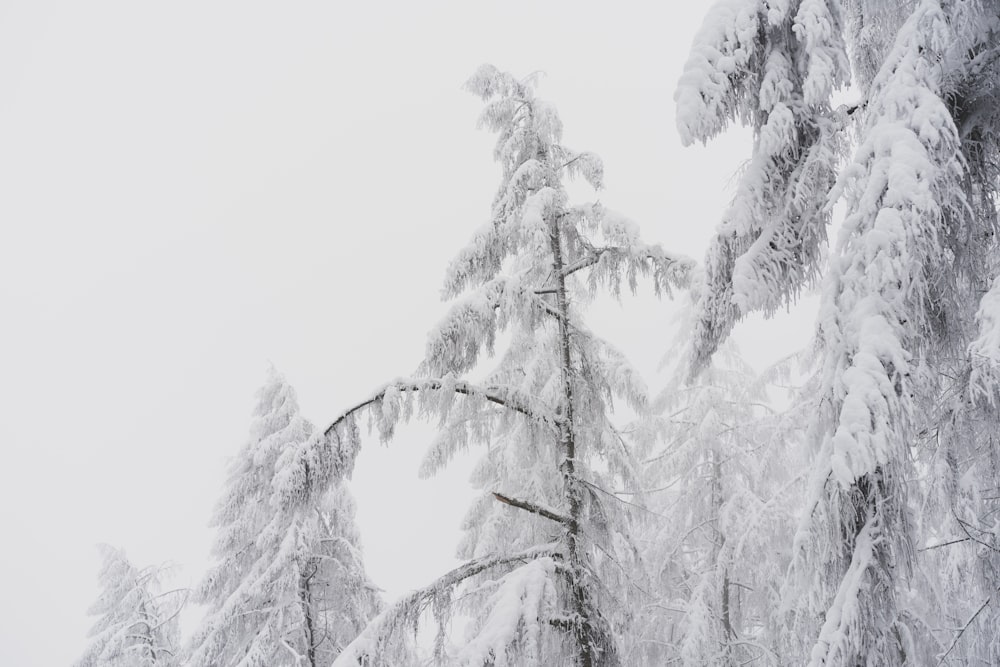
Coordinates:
x,y
305,598
575,558
718,541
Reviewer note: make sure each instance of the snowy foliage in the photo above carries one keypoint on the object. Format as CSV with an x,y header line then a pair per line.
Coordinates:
x,y
288,586
772,66
859,526
543,412
888,310
137,624
985,350
906,383
516,621
718,479
903,189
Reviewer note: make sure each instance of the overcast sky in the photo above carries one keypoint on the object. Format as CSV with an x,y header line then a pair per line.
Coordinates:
x,y
191,189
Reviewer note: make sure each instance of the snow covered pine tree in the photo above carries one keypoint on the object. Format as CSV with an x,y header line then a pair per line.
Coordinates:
x,y
907,386
138,624
546,543
289,586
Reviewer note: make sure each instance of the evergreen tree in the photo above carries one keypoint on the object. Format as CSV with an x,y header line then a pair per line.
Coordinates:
x,y
138,624
718,474
547,543
288,586
903,387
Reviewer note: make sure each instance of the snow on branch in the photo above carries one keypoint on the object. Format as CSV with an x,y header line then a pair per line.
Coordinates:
x,y
330,454
613,263
984,352
610,245
588,166
134,623
389,398
843,618
479,261
374,641
819,27
903,189
455,344
521,606
709,93
770,242
739,39
772,65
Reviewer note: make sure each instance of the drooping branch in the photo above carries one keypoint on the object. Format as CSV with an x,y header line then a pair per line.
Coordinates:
x,y
652,254
506,398
373,639
531,507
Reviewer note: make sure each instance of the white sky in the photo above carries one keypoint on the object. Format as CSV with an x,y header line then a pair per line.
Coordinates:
x,y
190,189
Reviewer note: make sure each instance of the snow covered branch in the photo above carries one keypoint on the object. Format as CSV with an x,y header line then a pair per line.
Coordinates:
x,y
375,639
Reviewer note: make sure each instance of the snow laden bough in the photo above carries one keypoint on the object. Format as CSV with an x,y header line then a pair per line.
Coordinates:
x,y
906,405
547,544
772,66
878,325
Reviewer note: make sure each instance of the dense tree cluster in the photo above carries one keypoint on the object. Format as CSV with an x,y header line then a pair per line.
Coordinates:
x,y
905,458
840,509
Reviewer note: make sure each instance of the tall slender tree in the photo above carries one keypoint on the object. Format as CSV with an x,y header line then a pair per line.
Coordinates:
x,y
288,586
137,624
547,542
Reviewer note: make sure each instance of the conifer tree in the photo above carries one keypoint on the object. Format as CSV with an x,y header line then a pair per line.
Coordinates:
x,y
137,624
720,468
288,586
547,544
899,356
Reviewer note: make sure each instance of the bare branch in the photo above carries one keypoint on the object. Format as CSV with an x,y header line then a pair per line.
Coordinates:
x,y
965,627
530,507
965,526
622,500
944,544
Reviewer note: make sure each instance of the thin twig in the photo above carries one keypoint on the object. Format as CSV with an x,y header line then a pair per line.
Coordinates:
x,y
965,627
623,501
943,544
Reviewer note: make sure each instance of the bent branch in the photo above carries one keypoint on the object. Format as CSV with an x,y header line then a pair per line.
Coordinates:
x,y
373,639
506,398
